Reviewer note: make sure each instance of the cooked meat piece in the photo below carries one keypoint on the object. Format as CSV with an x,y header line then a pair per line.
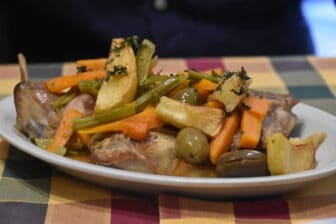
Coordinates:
x,y
34,115
84,103
156,154
279,118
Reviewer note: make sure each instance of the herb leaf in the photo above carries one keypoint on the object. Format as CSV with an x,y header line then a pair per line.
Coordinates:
x,y
117,70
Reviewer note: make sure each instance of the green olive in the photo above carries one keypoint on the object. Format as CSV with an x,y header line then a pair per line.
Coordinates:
x,y
192,146
242,163
188,95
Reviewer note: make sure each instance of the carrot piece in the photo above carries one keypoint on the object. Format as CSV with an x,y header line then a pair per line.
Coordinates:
x,y
257,106
136,126
252,120
214,104
222,141
91,64
84,138
64,130
205,87
58,84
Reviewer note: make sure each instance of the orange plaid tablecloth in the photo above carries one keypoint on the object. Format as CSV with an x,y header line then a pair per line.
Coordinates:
x,y
33,192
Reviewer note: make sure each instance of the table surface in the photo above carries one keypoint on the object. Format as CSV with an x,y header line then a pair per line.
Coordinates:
x,y
33,192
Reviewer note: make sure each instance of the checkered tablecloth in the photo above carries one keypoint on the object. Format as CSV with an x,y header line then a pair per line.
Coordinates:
x,y
33,192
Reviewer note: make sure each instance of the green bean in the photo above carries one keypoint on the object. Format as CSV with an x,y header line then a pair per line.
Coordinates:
x,y
154,94
143,59
90,86
128,109
63,100
199,75
104,117
151,82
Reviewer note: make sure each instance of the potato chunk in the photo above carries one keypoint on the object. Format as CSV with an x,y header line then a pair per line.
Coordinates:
x,y
284,157
208,120
121,84
232,90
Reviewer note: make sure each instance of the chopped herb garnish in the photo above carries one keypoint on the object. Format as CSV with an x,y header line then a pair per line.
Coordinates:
x,y
245,106
134,42
117,48
117,70
109,61
81,69
228,74
240,92
242,74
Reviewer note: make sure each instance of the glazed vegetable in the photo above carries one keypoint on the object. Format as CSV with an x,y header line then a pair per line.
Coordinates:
x,y
199,75
153,95
185,83
205,87
89,86
63,100
120,113
242,163
105,117
214,104
192,146
120,85
283,157
63,132
232,90
86,65
83,137
128,109
143,59
208,120
151,82
252,121
136,127
61,83
188,95
221,143
256,105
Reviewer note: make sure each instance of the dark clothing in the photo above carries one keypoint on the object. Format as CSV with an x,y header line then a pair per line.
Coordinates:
x,y
69,30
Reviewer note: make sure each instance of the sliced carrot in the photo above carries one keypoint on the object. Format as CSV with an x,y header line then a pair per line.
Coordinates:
x,y
252,121
59,84
205,87
214,104
221,143
64,130
257,106
136,127
91,64
84,138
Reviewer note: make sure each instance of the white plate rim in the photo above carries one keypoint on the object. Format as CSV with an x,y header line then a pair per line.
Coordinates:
x,y
22,143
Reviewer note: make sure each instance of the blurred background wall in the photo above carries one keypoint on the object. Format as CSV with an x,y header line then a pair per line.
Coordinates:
x,y
65,31
321,18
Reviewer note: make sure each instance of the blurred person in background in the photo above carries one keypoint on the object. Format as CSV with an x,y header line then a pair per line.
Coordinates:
x,y
70,30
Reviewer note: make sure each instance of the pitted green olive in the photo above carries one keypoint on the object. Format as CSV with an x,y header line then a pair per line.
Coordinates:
x,y
242,163
189,96
192,146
